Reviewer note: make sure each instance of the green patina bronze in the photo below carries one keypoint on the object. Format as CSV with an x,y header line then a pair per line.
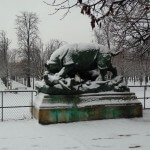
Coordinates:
x,y
91,113
76,108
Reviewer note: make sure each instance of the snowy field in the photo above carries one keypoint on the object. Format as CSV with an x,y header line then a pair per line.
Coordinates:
x,y
113,134
118,134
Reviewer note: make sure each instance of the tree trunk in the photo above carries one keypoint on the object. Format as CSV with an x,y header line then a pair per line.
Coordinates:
x,y
28,82
29,63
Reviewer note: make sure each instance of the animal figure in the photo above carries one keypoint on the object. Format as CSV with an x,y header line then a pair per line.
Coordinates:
x,y
81,59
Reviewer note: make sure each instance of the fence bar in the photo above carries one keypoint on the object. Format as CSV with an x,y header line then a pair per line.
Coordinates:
x,y
2,117
25,91
138,85
32,105
15,107
144,96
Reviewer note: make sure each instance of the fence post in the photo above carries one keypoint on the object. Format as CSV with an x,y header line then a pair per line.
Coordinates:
x,y
2,107
144,96
32,104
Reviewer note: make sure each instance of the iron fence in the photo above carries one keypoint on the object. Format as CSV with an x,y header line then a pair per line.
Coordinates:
x,y
16,104
142,90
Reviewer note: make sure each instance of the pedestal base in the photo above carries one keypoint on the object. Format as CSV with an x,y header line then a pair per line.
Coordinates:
x,y
108,105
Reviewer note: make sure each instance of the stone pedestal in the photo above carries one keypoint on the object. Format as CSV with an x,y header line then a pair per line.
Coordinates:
x,y
93,106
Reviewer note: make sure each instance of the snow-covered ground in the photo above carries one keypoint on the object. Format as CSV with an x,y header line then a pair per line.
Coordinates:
x,y
2,86
113,134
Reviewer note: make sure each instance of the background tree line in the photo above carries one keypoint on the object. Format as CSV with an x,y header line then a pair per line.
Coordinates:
x,y
121,25
28,60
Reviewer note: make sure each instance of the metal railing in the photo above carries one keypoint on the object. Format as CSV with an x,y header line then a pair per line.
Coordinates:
x,y
16,104
144,97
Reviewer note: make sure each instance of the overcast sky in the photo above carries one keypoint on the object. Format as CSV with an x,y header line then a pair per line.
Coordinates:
x,y
74,28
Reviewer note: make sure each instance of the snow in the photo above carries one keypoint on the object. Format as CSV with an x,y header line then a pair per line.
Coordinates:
x,y
2,86
75,48
112,134
17,84
40,84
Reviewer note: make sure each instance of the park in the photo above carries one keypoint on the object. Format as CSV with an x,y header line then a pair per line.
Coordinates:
x,y
75,74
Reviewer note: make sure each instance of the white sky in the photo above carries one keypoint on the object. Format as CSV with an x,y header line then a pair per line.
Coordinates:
x,y
74,28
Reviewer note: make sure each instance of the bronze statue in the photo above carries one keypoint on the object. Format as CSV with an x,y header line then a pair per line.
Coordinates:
x,y
81,59
87,62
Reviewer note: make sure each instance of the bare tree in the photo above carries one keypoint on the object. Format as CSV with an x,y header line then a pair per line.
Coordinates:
x,y
40,54
104,35
38,59
4,47
27,32
13,59
130,20
51,46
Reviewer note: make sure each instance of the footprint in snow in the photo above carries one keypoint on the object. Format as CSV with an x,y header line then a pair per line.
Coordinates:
x,y
126,135
102,146
75,147
135,146
148,135
109,138
35,145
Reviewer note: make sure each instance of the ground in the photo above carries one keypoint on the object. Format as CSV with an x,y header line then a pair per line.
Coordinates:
x,y
112,134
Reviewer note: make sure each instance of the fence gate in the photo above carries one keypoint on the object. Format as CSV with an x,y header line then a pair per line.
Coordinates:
x,y
16,105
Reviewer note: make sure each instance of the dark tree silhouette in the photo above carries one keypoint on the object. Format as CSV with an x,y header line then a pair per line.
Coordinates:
x,y
27,32
4,47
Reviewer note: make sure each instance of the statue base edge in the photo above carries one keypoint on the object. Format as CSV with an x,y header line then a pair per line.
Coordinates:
x,y
50,109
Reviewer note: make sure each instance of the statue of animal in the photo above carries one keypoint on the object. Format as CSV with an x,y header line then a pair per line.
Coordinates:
x,y
81,59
